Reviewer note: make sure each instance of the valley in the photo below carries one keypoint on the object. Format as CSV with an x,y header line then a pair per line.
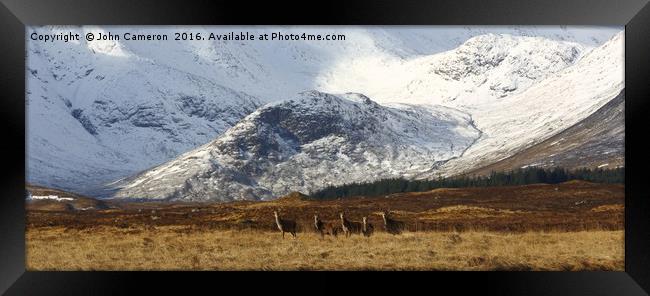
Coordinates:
x,y
389,148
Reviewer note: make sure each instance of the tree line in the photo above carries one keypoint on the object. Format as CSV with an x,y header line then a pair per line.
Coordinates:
x,y
523,176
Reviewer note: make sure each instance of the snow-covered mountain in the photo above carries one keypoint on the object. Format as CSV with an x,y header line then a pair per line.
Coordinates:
x,y
308,142
480,71
546,108
598,141
97,113
104,110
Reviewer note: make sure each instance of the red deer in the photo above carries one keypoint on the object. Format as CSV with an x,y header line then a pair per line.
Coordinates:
x,y
326,228
367,229
350,227
392,226
318,224
285,225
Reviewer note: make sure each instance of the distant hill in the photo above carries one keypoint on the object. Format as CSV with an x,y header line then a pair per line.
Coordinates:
x,y
49,199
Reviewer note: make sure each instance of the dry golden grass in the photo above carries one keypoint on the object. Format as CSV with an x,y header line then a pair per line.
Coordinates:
x,y
471,212
569,226
609,208
188,248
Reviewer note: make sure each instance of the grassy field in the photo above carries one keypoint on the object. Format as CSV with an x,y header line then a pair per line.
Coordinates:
x,y
188,248
569,226
571,206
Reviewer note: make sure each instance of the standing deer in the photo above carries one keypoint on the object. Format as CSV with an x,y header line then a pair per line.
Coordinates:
x,y
326,228
350,227
392,226
367,229
318,224
285,225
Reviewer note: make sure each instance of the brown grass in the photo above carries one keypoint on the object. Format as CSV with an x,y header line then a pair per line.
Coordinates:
x,y
192,248
572,206
569,226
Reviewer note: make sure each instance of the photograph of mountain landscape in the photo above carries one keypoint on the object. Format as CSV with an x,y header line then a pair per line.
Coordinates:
x,y
325,148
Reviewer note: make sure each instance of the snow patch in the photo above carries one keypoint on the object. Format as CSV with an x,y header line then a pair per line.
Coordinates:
x,y
49,197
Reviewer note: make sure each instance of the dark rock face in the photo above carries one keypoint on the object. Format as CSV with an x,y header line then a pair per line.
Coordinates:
x,y
148,116
85,121
210,110
278,132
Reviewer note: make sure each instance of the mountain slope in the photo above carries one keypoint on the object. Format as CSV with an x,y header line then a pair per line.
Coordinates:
x,y
96,114
598,141
481,71
545,109
309,142
104,110
48,199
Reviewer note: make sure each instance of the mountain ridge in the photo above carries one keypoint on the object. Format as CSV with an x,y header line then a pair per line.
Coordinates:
x,y
315,138
103,111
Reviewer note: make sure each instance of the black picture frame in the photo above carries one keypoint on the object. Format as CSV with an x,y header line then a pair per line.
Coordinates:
x,y
633,14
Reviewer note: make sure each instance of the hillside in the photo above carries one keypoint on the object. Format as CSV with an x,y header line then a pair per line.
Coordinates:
x,y
546,108
598,141
101,113
310,141
570,206
48,199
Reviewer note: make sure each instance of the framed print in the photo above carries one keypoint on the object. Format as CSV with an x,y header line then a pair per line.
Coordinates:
x,y
461,142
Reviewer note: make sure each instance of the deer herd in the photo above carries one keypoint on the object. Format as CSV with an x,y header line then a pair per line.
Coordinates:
x,y
340,226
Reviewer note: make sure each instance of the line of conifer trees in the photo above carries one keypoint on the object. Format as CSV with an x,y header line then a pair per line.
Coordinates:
x,y
524,176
